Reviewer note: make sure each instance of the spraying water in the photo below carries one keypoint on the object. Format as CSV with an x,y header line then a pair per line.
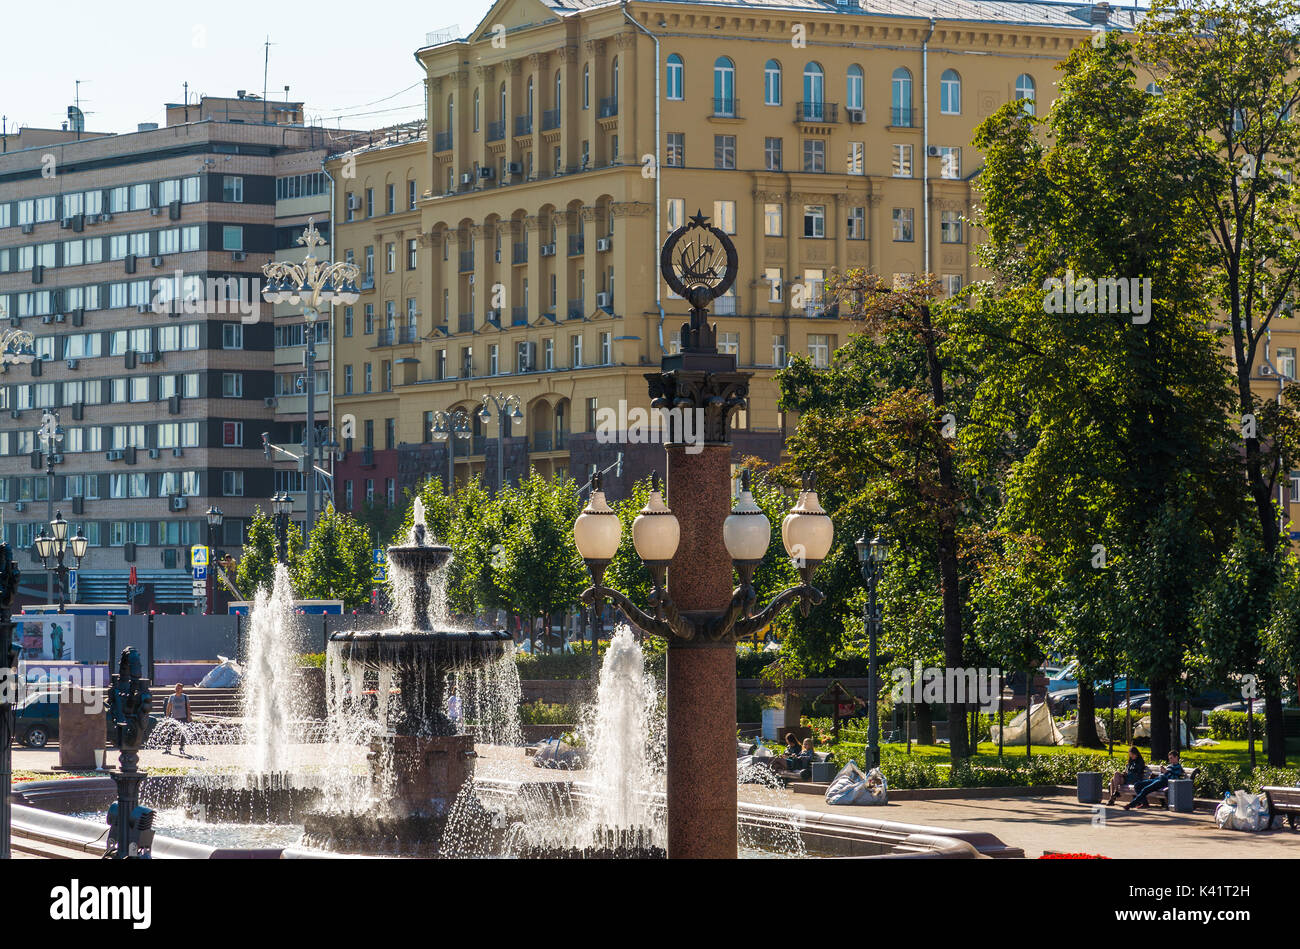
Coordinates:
x,y
269,687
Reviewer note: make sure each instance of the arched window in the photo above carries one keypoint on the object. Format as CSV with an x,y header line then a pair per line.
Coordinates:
x,y
1154,89
853,88
476,110
814,92
1025,91
676,77
901,92
772,83
451,113
559,90
586,87
950,93
724,87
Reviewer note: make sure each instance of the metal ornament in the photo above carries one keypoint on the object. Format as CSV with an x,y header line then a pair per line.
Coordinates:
x,y
699,263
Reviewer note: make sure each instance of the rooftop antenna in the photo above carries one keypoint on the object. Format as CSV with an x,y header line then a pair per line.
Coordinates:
x,y
266,65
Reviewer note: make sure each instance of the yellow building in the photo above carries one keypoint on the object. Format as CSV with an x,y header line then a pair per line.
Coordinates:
x,y
566,141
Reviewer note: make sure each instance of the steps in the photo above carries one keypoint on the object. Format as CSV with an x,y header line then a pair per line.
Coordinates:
x,y
204,703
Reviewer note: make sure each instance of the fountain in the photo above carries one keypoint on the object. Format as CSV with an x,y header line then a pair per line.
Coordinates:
x,y
420,757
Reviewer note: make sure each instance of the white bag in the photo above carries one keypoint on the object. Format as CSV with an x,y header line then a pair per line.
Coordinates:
x,y
226,674
851,786
1242,811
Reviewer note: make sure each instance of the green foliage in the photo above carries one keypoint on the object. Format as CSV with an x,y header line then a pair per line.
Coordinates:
x,y
337,563
256,568
1233,726
312,660
536,569
547,713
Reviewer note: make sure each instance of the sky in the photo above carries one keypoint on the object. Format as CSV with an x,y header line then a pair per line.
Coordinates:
x,y
350,62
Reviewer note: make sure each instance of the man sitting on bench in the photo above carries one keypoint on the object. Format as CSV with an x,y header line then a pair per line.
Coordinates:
x,y
1172,772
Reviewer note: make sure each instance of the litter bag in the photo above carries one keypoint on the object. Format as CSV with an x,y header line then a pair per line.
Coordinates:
x,y
226,674
851,786
1242,811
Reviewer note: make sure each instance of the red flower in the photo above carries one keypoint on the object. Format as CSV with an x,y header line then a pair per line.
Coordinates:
x,y
1053,855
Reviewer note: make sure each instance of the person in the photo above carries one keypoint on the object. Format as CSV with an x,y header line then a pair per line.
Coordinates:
x,y
177,707
1172,771
787,761
1134,773
803,760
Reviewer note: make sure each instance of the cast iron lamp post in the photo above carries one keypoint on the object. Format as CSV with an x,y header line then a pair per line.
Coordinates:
x,y
51,436
449,426
872,556
507,408
281,506
317,285
56,544
215,520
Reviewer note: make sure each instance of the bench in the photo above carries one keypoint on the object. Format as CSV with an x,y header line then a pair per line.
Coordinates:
x,y
1128,791
785,777
1283,802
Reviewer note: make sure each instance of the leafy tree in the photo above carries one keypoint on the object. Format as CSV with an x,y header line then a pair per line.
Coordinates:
x,y
337,563
256,567
538,571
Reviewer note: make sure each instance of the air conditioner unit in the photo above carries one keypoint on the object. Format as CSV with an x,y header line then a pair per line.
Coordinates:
x,y
59,317
79,223
354,203
148,358
493,315
65,223
932,151
177,452
856,116
105,218
180,502
46,318
78,410
467,178
174,210
156,261
602,299
271,401
142,308
19,506
28,228
548,250
56,459
515,168
486,172
153,452
603,243
155,211
78,505
239,255
15,413
38,273
72,364
78,317
114,455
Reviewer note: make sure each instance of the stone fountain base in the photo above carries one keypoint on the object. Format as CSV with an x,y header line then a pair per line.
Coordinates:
x,y
428,772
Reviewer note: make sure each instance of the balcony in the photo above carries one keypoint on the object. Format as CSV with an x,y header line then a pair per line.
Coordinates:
x,y
466,263
477,444
608,107
465,323
575,309
523,125
550,119
901,117
496,131
442,142
519,316
821,112
467,369
396,336
519,253
368,282
542,441
576,245
561,440
724,108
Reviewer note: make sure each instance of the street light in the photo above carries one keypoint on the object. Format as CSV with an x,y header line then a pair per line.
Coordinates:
x,y
54,545
872,557
50,435
281,506
448,426
315,285
507,407
215,520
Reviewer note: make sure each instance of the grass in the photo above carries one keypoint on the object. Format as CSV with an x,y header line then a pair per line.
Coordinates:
x,y
1226,752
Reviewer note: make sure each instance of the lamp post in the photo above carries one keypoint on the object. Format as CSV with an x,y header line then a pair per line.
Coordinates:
x,y
507,407
449,426
55,545
51,436
872,556
281,506
317,285
215,519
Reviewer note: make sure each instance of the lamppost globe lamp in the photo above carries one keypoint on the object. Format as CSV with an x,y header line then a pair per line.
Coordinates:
x,y
44,545
59,528
597,531
655,531
875,551
807,531
485,414
79,544
746,531
215,517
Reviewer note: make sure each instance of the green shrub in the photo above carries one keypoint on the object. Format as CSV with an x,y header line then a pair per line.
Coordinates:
x,y
1232,726
546,713
749,708
312,660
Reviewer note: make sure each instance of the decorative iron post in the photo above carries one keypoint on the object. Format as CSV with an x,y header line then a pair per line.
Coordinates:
x,y
130,833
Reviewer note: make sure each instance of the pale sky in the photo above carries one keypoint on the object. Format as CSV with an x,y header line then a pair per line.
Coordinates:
x,y
346,60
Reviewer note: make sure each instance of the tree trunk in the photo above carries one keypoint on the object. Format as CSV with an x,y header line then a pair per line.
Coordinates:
x,y
1274,726
1159,721
1087,734
925,725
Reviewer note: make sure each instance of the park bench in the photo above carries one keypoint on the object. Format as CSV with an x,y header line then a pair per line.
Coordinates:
x,y
1283,802
1128,790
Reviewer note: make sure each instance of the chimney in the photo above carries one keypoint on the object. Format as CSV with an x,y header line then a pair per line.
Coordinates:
x,y
1099,15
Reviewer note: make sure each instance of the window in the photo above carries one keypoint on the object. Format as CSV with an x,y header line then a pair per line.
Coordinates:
x,y
853,88
390,434
902,218
368,321
1025,91
1295,487
232,484
232,188
814,155
190,189
575,351
412,253
773,277
772,153
819,350
676,154
232,434
950,93
778,351
949,162
814,92
674,213
952,284
676,77
856,162
390,257
586,87
950,227
232,385
724,151
494,359
189,239
232,336
724,89
370,261
232,237
390,192
901,95
857,224
902,165
140,198
772,223
410,194
370,202
814,220
772,83
1286,363
606,349
724,216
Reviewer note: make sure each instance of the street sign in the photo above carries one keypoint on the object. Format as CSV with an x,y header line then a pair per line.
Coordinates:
x,y
380,575
72,580
200,588
198,556
377,556
200,573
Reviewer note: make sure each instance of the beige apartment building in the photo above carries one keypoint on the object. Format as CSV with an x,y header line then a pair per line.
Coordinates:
x,y
567,139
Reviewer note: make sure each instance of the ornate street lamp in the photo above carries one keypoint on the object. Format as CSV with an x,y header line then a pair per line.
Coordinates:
x,y
53,546
50,435
507,408
281,508
872,557
315,285
449,426
215,520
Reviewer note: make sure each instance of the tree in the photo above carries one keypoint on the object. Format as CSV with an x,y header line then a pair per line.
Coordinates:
x,y
256,567
337,563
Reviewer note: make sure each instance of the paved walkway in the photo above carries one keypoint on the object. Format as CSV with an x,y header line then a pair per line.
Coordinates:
x,y
1034,824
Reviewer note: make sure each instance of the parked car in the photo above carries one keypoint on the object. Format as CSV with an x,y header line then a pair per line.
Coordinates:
x,y
1063,679
36,721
